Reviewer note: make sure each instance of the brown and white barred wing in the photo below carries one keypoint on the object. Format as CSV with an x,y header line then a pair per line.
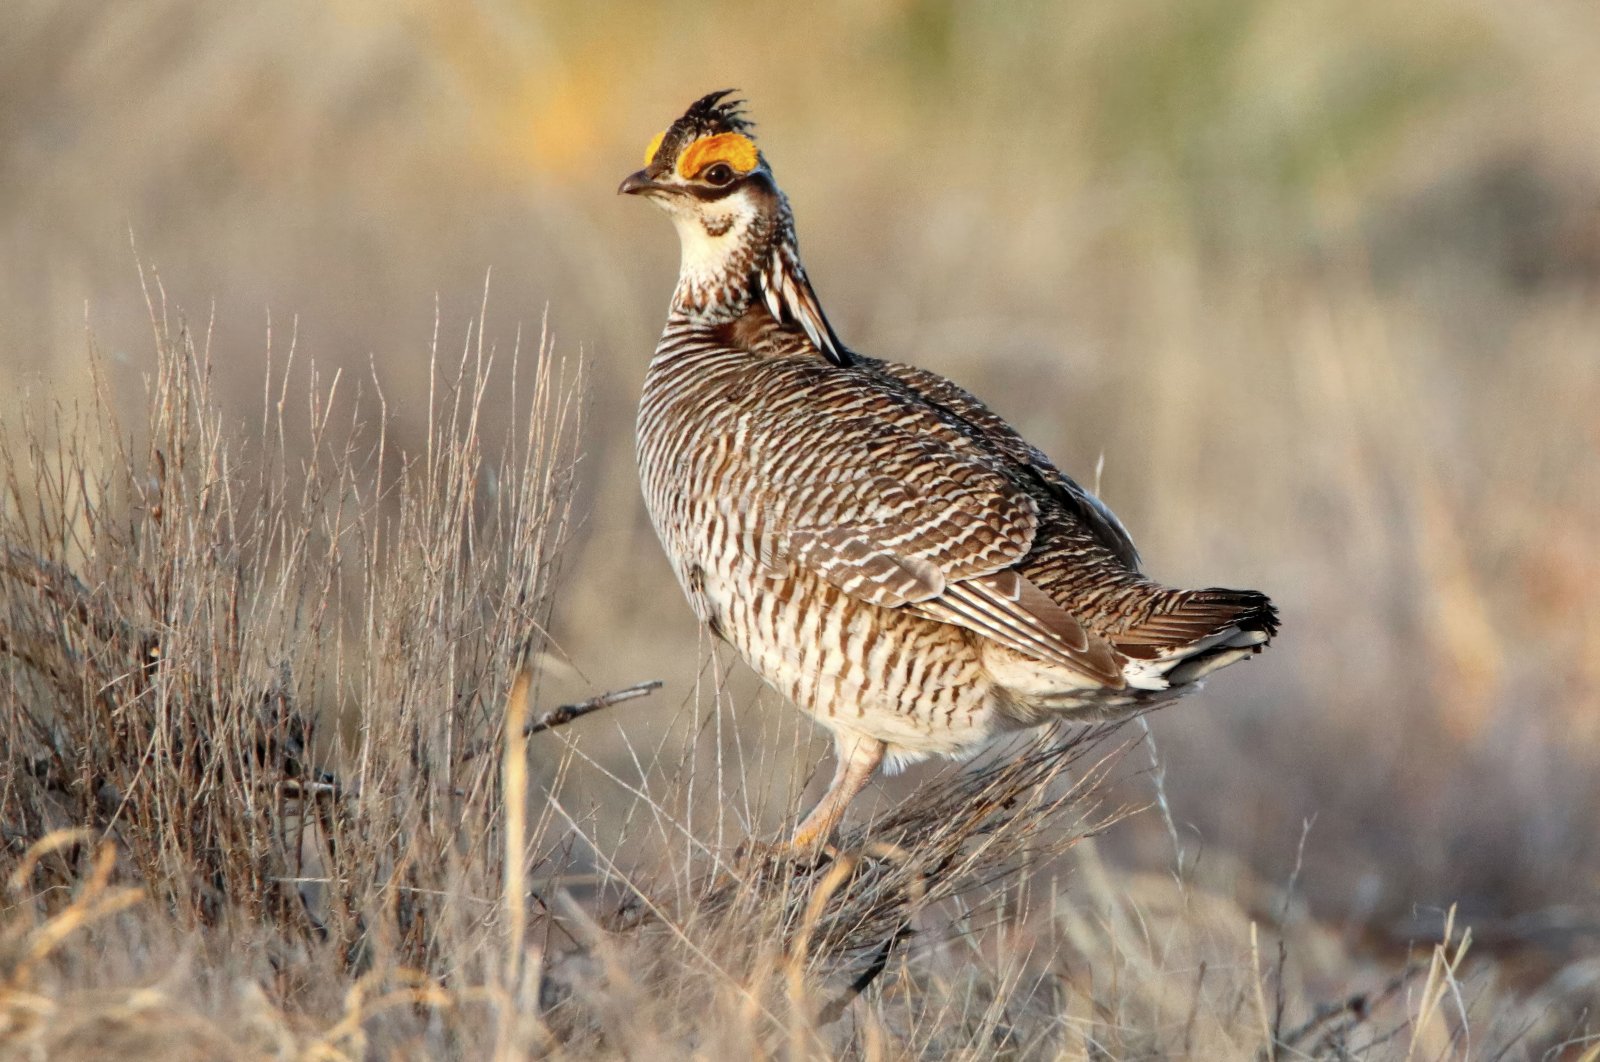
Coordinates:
x,y
1004,440
894,529
900,519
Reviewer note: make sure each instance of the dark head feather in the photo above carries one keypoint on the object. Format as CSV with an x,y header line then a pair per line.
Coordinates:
x,y
707,116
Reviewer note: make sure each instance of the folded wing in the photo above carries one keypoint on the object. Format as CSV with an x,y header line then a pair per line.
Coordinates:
x,y
903,520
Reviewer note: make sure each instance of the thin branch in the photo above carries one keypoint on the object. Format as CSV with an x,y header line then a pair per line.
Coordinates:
x,y
566,713
880,961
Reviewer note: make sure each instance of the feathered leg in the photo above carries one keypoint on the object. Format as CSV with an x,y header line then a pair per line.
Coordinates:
x,y
859,758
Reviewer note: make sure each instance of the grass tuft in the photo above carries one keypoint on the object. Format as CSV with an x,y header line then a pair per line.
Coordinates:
x,y
251,688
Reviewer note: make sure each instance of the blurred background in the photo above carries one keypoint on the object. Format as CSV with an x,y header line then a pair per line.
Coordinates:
x,y
1316,281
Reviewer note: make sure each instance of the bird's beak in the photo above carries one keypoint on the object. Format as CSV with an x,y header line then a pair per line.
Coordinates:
x,y
637,183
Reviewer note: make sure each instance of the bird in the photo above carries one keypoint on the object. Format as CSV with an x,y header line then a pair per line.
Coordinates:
x,y
877,544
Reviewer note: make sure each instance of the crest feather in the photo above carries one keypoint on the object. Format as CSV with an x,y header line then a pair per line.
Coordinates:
x,y
712,115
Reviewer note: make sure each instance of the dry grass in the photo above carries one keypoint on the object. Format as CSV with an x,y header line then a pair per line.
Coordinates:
x,y
197,867
188,613
1316,280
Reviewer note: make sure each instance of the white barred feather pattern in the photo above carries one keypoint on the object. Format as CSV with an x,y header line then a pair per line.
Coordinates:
x,y
881,547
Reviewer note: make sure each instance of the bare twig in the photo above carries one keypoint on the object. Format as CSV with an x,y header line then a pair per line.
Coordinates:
x,y
1358,1007
566,713
880,962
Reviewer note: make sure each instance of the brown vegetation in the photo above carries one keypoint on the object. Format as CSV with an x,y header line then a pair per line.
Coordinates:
x,y
195,869
1317,280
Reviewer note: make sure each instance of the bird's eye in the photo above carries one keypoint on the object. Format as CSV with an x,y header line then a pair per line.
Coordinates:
x,y
718,173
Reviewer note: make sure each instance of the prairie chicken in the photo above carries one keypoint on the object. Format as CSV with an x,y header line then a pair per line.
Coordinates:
x,y
876,543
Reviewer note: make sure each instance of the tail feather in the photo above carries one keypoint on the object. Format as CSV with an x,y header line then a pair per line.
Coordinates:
x,y
1191,633
1186,635
1190,617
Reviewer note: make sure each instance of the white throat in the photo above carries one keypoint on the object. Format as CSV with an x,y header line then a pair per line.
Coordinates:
x,y
710,241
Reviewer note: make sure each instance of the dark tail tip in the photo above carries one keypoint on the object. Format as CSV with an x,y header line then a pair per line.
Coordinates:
x,y
1249,612
1254,611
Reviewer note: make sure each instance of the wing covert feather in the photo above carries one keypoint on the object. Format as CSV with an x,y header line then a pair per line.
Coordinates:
x,y
1094,514
902,519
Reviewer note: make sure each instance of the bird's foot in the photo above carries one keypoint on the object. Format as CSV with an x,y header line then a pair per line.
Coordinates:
x,y
754,854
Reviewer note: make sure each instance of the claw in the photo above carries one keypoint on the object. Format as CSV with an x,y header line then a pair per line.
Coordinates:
x,y
753,853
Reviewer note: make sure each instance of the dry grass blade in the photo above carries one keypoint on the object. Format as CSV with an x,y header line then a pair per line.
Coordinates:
x,y
514,897
95,899
1444,970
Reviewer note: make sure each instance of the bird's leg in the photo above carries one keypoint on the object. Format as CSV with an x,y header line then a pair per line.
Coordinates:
x,y
859,758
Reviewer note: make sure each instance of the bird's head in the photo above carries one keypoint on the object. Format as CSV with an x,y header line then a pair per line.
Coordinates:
x,y
739,247
705,164
706,172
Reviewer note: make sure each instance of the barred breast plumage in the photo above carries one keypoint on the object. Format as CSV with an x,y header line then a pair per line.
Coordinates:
x,y
878,545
